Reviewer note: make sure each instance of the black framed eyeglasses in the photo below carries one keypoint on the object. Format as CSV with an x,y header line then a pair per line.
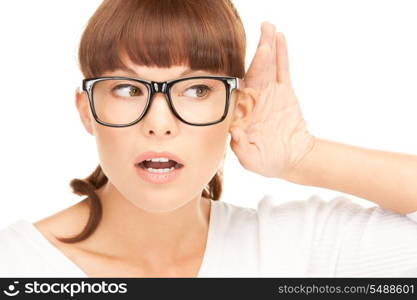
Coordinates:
x,y
118,101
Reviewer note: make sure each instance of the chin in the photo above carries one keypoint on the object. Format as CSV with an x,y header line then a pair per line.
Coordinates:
x,y
160,202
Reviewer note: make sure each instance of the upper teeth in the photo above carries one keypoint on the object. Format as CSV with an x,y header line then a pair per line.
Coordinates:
x,y
160,159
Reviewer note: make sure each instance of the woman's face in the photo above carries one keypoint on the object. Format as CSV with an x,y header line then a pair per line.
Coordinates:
x,y
201,148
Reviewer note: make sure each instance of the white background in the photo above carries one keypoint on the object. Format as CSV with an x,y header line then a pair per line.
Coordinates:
x,y
353,66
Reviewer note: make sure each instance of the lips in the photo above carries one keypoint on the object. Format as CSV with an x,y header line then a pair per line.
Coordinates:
x,y
152,154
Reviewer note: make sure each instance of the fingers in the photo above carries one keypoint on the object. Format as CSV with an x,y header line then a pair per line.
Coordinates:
x,y
268,40
283,74
257,72
263,66
267,34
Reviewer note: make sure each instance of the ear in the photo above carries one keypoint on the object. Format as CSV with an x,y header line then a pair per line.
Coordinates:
x,y
244,108
82,104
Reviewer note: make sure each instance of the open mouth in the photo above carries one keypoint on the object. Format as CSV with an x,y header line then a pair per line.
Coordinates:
x,y
159,172
160,167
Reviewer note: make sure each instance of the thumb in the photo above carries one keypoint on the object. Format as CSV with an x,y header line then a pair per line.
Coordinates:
x,y
240,145
239,141
237,136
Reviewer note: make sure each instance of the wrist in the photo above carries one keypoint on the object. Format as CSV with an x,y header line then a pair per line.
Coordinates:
x,y
298,173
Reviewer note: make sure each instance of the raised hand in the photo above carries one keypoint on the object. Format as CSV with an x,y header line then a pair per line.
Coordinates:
x,y
277,138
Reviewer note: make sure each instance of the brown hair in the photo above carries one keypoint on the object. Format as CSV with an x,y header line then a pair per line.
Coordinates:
x,y
206,35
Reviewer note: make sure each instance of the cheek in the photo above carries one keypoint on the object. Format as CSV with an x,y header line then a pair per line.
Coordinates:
x,y
113,148
207,151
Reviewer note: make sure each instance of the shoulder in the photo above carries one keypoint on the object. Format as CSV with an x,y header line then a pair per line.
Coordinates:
x,y
337,217
270,209
339,207
30,249
312,205
16,250
11,237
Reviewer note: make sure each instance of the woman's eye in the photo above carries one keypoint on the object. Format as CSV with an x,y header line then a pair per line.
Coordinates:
x,y
198,90
127,90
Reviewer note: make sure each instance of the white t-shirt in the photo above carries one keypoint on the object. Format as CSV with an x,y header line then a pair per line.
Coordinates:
x,y
310,238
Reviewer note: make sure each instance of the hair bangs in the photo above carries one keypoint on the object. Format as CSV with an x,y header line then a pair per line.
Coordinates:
x,y
204,35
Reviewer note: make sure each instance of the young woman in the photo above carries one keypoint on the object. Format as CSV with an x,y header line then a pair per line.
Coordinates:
x,y
165,84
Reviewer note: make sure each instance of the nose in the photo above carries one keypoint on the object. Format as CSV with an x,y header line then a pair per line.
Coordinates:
x,y
159,119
